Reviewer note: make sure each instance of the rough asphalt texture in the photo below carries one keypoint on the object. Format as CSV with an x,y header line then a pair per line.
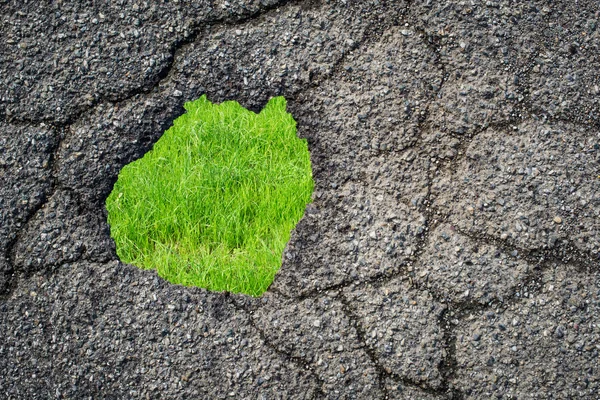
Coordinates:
x,y
452,250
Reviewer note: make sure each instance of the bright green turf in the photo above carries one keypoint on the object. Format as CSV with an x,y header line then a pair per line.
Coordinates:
x,y
213,204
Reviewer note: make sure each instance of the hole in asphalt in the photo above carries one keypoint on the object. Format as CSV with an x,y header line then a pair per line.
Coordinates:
x,y
214,202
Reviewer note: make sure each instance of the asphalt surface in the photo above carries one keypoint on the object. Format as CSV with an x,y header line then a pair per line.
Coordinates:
x,y
452,250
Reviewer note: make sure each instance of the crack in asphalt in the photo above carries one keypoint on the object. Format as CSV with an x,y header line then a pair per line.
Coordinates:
x,y
361,336
9,253
177,47
299,362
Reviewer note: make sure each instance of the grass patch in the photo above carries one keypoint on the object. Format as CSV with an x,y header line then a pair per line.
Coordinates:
x,y
214,202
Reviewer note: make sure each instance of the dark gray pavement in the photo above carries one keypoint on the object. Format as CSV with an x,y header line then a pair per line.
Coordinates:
x,y
452,250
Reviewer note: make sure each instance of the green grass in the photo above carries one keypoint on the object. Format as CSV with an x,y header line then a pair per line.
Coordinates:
x,y
214,202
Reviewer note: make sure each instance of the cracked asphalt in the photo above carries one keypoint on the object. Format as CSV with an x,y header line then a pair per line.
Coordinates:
x,y
452,250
